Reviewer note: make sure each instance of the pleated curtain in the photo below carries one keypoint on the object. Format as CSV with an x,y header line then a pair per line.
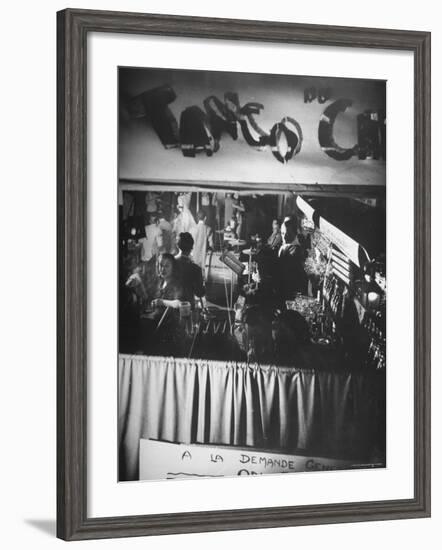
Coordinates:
x,y
325,413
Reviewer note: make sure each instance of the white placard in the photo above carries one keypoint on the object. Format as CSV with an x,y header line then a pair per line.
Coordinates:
x,y
351,248
165,460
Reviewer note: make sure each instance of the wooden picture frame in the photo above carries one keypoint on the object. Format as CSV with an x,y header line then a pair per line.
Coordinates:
x,y
73,27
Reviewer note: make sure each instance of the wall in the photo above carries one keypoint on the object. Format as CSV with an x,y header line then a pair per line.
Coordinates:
x,y
28,245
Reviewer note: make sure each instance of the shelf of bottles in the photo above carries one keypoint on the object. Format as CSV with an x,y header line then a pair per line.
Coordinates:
x,y
334,294
339,289
336,286
371,294
376,353
325,327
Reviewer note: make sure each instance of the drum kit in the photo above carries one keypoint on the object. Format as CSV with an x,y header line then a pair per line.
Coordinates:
x,y
237,244
229,238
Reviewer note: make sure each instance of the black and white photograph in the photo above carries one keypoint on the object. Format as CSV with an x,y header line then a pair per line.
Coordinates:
x,y
252,287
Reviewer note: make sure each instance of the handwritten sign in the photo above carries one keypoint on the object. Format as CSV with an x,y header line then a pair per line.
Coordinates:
x,y
163,460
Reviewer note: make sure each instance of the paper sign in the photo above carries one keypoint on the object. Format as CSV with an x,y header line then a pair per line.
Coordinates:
x,y
346,244
305,207
163,460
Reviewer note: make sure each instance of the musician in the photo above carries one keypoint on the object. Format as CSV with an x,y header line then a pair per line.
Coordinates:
x,y
291,255
189,273
303,240
275,239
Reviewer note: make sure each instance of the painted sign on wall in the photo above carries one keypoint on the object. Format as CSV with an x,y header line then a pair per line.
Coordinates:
x,y
234,126
200,130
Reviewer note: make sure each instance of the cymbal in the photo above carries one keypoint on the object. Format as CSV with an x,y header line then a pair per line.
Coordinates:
x,y
249,252
219,231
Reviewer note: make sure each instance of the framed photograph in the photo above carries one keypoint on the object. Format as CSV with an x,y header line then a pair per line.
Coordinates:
x,y
233,198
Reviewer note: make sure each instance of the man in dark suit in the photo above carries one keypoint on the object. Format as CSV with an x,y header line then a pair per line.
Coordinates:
x,y
189,273
291,257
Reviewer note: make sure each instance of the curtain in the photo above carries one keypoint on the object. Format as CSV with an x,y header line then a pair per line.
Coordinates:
x,y
321,412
